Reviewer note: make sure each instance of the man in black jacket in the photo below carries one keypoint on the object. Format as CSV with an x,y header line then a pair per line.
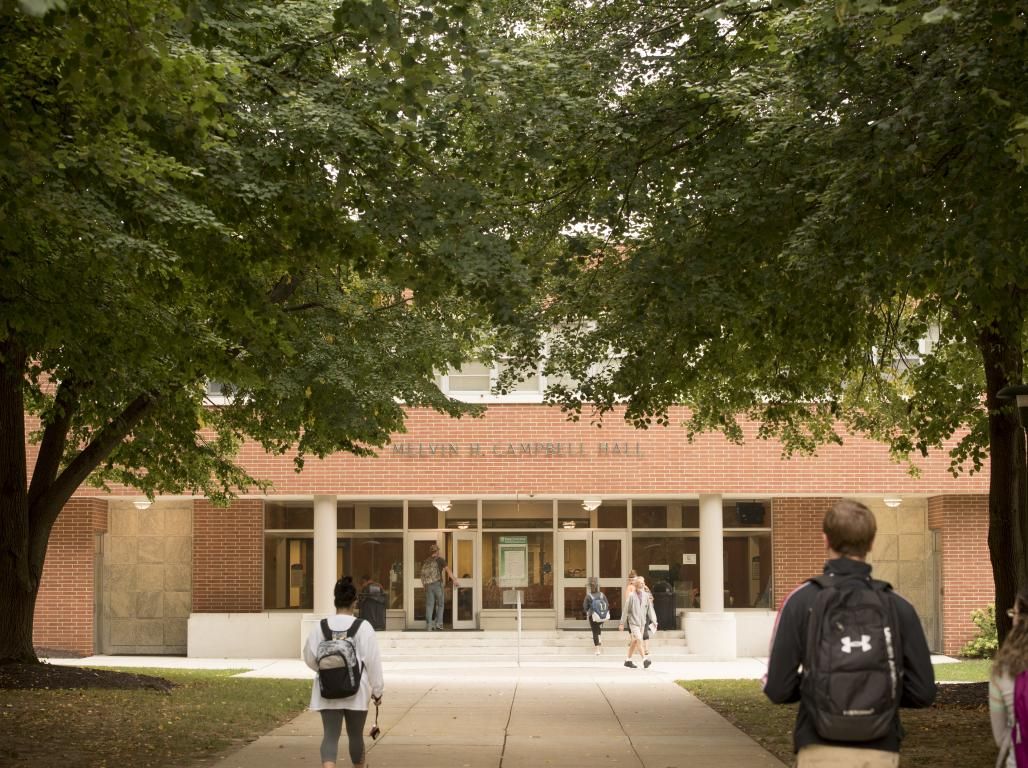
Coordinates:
x,y
849,530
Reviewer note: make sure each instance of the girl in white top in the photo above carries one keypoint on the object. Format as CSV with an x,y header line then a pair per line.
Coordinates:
x,y
354,709
1011,660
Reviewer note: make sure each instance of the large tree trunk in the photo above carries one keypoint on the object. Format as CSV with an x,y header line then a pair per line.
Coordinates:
x,y
1008,474
19,605
17,588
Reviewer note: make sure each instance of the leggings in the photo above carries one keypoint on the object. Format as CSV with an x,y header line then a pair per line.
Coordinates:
x,y
332,722
596,627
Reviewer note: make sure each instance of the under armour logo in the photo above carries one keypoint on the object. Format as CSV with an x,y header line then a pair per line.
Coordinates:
x,y
864,644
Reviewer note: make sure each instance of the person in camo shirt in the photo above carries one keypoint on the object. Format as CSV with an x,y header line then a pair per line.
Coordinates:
x,y
433,571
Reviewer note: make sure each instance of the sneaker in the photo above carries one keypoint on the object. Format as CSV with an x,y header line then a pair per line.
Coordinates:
x,y
630,664
646,664
597,652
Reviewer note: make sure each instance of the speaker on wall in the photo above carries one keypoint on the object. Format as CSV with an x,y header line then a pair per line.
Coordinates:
x,y
750,512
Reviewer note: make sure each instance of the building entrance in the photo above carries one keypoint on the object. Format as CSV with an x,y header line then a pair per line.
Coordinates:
x,y
581,554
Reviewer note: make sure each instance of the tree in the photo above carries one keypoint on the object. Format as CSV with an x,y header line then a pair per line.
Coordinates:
x,y
779,204
269,196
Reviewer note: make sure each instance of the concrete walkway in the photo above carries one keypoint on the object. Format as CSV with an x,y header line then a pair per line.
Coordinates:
x,y
463,714
596,717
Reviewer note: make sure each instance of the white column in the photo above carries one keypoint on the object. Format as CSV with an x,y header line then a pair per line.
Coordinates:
x,y
711,631
324,554
712,562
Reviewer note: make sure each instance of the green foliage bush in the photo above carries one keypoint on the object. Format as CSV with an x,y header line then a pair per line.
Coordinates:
x,y
986,642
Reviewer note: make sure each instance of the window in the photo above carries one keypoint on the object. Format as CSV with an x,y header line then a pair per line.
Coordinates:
x,y
374,556
477,381
500,550
746,514
288,571
748,570
289,555
669,559
472,377
612,514
526,513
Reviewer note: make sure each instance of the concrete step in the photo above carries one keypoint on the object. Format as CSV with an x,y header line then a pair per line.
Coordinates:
x,y
568,646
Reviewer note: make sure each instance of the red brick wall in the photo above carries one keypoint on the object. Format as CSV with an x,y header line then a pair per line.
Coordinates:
x,y
64,618
664,462
228,556
799,550
966,567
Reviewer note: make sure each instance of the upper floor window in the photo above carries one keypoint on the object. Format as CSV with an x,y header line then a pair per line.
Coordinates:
x,y
477,382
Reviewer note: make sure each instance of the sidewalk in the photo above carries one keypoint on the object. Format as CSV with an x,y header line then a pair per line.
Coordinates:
x,y
595,714
470,717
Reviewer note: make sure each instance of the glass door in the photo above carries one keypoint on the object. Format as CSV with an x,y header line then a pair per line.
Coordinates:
x,y
574,566
465,568
610,553
417,545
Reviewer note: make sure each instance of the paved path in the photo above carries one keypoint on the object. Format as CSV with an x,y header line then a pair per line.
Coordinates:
x,y
603,716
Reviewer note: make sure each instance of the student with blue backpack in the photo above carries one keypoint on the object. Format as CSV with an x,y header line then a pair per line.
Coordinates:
x,y
343,651
596,608
851,651
1008,690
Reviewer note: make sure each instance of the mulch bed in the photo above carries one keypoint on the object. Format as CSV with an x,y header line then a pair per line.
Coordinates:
x,y
962,696
55,676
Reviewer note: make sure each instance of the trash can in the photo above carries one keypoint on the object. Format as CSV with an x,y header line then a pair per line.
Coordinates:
x,y
664,604
372,607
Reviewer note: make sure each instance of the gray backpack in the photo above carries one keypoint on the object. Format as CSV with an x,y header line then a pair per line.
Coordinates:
x,y
339,667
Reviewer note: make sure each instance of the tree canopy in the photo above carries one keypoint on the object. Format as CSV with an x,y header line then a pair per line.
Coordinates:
x,y
810,212
279,197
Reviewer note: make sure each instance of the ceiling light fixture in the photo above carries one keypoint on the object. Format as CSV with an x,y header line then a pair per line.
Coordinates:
x,y
892,501
590,505
443,505
142,504
463,525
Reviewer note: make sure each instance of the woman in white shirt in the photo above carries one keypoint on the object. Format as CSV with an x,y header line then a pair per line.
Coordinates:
x,y
1011,660
354,709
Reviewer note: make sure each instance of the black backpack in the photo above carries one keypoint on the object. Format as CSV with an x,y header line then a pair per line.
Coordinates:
x,y
852,671
339,667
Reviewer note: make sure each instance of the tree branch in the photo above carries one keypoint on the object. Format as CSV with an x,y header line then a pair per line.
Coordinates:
x,y
55,438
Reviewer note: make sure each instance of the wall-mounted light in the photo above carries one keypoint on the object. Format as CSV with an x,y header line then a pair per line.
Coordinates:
x,y
443,505
567,525
591,505
142,504
892,501
463,525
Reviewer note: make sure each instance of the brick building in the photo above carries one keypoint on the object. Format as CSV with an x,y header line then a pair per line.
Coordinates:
x,y
518,499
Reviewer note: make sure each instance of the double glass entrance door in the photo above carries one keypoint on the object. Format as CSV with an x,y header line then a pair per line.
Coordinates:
x,y
581,554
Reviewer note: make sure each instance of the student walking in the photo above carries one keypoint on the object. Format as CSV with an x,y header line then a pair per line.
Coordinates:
x,y
596,608
859,626
1011,662
353,710
638,612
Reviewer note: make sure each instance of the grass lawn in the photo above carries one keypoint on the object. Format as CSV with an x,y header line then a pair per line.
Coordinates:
x,y
953,735
207,712
971,671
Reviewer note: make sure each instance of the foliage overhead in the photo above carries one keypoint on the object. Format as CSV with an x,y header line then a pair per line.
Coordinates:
x,y
275,196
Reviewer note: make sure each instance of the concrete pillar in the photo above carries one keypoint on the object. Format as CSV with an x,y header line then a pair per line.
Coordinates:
x,y
712,559
324,554
711,631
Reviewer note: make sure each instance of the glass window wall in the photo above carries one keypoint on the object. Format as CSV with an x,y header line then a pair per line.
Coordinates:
x,y
522,558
